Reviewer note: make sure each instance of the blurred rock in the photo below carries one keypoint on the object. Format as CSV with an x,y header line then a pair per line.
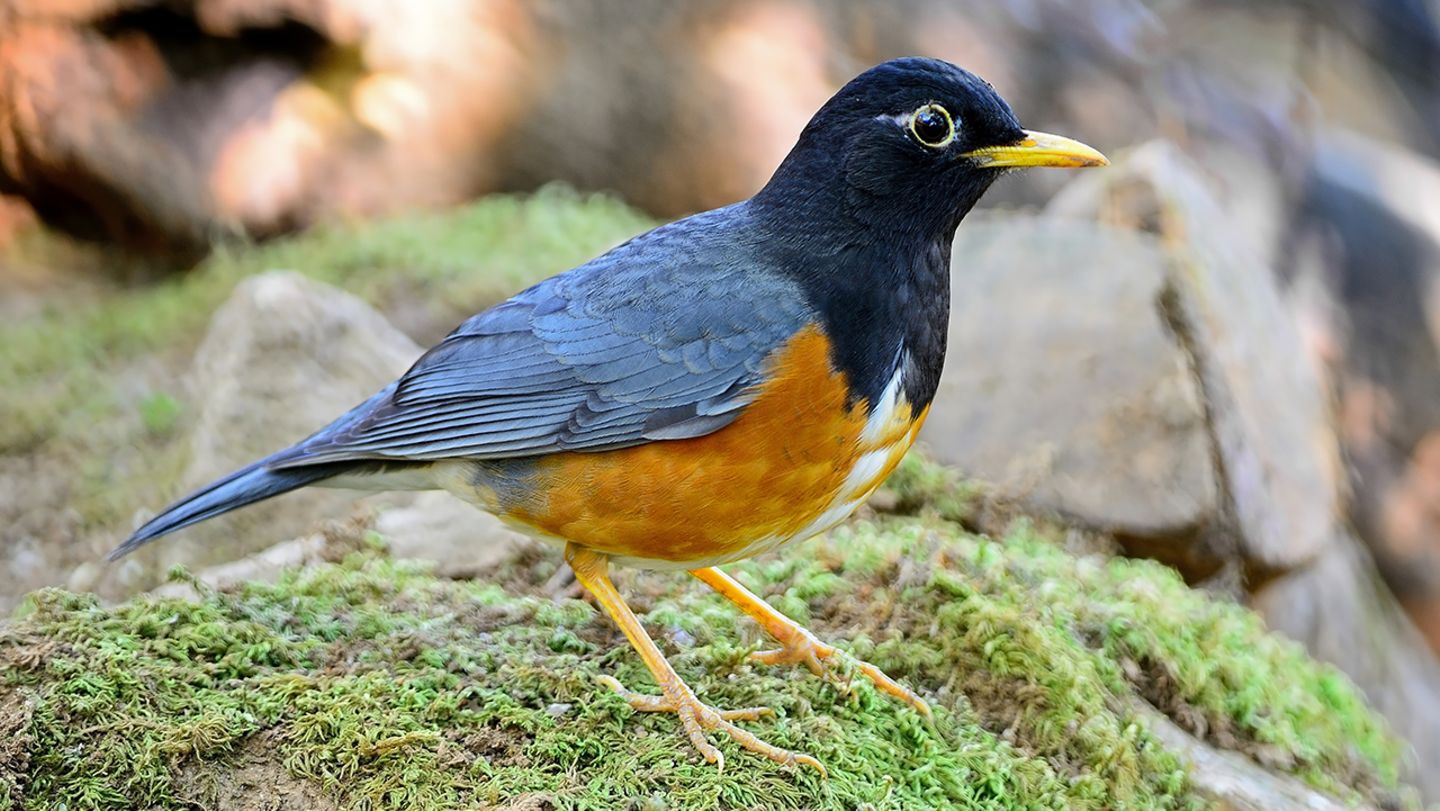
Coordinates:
x,y
70,100
283,357
177,121
1268,409
1233,781
16,217
456,539
181,121
1064,390
678,107
1366,245
264,566
1276,451
462,541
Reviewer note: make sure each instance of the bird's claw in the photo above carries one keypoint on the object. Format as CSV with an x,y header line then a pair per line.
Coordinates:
x,y
698,718
803,648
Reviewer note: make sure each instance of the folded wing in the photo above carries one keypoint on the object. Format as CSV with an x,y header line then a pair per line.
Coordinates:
x,y
600,358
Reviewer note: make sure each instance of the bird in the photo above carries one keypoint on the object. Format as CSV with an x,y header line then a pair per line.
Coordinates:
x,y
716,388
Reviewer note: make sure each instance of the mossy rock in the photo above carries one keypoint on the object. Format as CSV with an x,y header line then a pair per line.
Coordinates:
x,y
369,683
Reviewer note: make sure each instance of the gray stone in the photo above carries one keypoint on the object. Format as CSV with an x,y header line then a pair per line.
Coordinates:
x,y
1274,438
1370,250
1062,387
1269,412
1233,781
463,541
265,566
283,356
458,540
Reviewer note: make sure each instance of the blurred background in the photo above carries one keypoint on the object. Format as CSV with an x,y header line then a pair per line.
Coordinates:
x,y
1223,352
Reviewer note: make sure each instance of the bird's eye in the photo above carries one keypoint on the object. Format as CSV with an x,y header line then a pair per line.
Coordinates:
x,y
931,125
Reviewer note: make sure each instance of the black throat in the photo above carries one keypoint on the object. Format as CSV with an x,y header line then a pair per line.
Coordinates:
x,y
886,309
877,273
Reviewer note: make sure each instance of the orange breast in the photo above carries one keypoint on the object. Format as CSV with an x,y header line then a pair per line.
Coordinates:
x,y
762,480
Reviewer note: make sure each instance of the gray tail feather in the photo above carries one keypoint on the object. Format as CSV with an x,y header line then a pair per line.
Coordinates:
x,y
247,485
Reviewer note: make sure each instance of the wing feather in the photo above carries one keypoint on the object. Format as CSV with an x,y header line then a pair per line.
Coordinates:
x,y
628,349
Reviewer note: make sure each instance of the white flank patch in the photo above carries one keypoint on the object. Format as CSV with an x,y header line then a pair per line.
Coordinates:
x,y
867,467
886,410
838,512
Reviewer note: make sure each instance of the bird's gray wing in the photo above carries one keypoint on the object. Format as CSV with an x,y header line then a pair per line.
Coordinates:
x,y
610,355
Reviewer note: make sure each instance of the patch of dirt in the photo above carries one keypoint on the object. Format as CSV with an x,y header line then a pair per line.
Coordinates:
x,y
58,511
26,652
42,539
500,746
16,744
1000,704
344,536
251,779
529,571
348,655
530,802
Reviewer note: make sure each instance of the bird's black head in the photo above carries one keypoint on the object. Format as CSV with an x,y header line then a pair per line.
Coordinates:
x,y
864,208
910,145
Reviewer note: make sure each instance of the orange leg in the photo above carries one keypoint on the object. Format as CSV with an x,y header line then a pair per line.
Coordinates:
x,y
592,570
796,643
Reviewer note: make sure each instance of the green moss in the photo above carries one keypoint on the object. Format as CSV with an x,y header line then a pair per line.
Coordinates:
x,y
159,413
68,377
920,485
388,688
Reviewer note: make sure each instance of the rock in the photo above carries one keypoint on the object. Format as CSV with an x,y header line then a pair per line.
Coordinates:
x,y
462,541
75,147
1375,256
1268,410
179,121
16,217
1274,437
271,114
283,357
1063,389
264,566
453,539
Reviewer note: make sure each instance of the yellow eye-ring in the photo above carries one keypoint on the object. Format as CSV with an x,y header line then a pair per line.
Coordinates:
x,y
932,126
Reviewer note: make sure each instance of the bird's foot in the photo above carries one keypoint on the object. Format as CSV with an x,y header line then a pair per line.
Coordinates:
x,y
699,718
799,646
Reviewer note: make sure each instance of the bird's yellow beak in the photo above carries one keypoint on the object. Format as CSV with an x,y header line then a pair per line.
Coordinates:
x,y
1037,149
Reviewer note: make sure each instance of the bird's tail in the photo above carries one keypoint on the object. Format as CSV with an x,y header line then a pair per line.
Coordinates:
x,y
255,482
